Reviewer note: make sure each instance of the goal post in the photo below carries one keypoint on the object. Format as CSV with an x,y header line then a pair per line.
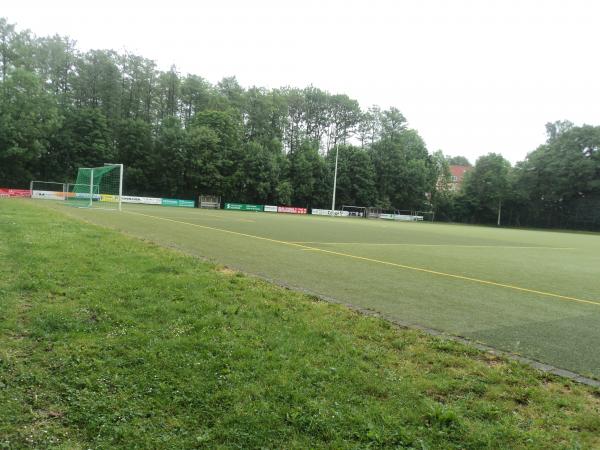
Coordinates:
x,y
97,187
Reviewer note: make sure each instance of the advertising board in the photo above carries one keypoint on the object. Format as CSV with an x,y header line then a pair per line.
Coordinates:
x,y
177,202
109,198
6,192
142,200
291,210
329,212
47,195
243,207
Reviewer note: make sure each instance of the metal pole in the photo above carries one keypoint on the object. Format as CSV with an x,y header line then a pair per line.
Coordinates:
x,y
499,210
120,185
337,147
91,186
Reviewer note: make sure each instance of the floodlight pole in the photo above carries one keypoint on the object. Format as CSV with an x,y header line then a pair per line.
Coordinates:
x,y
499,211
337,147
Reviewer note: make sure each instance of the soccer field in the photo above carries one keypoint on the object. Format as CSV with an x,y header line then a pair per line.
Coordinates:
x,y
535,293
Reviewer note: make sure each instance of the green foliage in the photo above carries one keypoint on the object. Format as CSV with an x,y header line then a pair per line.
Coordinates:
x,y
28,119
308,175
356,176
485,187
404,171
458,161
559,183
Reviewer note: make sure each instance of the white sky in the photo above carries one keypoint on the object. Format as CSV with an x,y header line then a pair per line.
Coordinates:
x,y
471,76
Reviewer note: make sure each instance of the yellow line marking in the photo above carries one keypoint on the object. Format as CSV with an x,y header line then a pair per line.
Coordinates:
x,y
215,217
387,263
433,245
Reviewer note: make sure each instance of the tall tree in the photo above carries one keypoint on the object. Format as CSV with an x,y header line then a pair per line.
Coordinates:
x,y
486,187
356,176
458,161
28,118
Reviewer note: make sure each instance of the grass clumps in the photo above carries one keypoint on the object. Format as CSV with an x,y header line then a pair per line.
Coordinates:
x,y
108,342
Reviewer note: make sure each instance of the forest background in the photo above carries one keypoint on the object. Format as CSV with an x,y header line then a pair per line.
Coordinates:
x,y
181,136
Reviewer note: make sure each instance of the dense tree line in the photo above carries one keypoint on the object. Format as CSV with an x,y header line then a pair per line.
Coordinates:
x,y
179,135
556,186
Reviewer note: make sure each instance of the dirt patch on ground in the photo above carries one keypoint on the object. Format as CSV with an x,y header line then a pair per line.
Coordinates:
x,y
226,271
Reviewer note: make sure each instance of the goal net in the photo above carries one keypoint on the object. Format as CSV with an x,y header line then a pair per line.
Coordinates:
x,y
97,187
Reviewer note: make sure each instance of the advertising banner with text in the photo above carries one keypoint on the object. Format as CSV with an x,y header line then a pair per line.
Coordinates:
x,y
243,207
177,202
291,210
270,208
48,195
109,198
142,200
329,212
5,192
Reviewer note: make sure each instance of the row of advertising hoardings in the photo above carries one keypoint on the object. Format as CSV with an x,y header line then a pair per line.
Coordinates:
x,y
265,208
59,195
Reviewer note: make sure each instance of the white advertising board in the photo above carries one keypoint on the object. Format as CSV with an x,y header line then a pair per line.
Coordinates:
x,y
143,200
48,195
270,208
402,217
329,212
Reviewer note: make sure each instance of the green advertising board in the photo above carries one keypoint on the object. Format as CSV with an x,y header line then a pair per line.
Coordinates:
x,y
243,207
177,202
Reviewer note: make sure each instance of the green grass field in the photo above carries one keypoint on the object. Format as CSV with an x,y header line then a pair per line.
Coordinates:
x,y
110,342
545,303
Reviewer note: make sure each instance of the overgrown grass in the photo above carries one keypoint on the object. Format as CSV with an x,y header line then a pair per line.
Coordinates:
x,y
111,342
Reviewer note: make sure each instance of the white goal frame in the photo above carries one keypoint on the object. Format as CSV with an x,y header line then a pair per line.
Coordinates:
x,y
88,189
120,181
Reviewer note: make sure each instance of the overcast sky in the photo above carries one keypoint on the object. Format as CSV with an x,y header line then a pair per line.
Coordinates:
x,y
471,76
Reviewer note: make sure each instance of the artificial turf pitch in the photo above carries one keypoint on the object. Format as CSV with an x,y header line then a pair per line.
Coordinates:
x,y
535,293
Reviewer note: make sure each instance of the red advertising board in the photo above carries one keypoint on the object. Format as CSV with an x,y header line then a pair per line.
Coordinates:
x,y
5,192
291,210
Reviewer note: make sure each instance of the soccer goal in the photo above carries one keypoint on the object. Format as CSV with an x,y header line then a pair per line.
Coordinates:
x,y
97,187
355,211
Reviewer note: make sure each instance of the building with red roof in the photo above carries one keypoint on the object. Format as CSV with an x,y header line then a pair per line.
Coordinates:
x,y
457,174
